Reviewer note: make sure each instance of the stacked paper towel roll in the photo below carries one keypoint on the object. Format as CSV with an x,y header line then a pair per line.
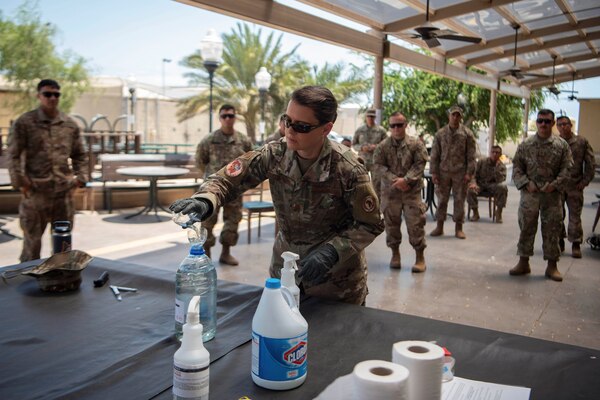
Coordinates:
x,y
424,361
380,380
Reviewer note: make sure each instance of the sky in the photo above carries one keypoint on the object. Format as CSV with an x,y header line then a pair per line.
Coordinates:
x,y
130,38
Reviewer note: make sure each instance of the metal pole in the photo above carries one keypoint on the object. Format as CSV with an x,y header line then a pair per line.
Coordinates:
x,y
210,109
262,114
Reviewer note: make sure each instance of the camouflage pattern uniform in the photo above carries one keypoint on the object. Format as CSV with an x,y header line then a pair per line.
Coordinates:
x,y
212,154
541,161
452,157
46,144
490,176
404,158
333,202
583,171
365,135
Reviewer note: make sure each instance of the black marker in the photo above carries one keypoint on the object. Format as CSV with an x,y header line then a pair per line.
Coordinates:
x,y
102,280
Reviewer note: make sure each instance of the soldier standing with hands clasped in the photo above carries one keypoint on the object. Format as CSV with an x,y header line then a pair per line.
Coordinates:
x,y
400,161
40,145
452,167
580,175
327,211
540,171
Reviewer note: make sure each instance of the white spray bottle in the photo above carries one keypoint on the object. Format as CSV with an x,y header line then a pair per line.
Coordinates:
x,y
288,274
191,362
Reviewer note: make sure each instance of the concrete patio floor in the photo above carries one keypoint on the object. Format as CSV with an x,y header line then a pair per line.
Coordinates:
x,y
466,281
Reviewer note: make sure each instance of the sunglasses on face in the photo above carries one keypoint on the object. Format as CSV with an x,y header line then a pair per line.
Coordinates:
x,y
50,94
397,125
299,126
544,121
225,116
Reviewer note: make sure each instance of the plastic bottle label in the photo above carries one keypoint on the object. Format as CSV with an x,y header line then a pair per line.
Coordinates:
x,y
180,311
191,382
279,359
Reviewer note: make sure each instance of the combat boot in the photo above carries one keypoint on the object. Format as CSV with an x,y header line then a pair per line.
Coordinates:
x,y
439,229
576,251
458,232
561,244
498,215
475,216
227,258
395,261
419,262
552,271
522,267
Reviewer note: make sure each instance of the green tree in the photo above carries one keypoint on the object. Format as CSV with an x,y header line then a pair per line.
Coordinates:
x,y
425,98
243,54
28,54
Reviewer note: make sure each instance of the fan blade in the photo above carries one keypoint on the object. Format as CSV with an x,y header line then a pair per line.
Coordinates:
x,y
426,31
432,42
443,32
470,39
554,90
535,75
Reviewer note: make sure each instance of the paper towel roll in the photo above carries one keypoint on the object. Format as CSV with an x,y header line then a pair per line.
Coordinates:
x,y
380,380
424,361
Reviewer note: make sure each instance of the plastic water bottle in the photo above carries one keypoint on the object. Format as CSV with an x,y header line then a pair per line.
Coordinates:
x,y
279,340
196,276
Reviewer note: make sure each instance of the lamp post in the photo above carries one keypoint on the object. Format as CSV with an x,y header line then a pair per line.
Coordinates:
x,y
164,60
262,79
132,99
211,49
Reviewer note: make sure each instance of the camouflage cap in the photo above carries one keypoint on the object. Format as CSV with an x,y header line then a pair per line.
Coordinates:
x,y
457,109
61,272
371,112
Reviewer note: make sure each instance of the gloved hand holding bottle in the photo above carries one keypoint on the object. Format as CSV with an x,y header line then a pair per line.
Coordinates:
x,y
201,207
315,266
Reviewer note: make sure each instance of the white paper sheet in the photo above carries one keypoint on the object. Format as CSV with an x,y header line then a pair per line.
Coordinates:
x,y
466,389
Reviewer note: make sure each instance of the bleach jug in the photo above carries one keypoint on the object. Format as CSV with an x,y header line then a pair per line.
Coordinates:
x,y
192,360
279,340
288,274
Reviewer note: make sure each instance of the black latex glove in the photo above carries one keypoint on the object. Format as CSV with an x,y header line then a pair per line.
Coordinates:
x,y
317,264
185,206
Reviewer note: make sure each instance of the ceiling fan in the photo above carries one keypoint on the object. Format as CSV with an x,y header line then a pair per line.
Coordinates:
x,y
572,91
515,71
430,34
553,88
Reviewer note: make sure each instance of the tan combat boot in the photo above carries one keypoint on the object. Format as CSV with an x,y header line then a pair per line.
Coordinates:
x,y
552,271
459,232
227,258
419,262
475,216
522,267
395,261
576,251
439,229
498,215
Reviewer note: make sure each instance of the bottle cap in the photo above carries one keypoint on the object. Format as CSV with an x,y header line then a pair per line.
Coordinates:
x,y
273,283
197,250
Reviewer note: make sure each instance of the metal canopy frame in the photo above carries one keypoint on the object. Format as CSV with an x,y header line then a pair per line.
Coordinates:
x,y
567,29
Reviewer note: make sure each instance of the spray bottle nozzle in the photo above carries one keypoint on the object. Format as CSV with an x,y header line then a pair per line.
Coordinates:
x,y
193,312
289,260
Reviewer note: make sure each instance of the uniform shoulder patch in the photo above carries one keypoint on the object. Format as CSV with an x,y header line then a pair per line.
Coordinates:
x,y
234,168
369,204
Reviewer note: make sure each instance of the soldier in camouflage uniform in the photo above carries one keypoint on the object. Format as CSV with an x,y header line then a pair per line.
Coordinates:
x,y
540,171
40,145
213,153
580,175
365,140
327,210
279,133
490,174
452,166
400,161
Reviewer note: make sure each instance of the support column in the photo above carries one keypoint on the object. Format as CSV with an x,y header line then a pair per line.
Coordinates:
x,y
378,89
526,118
492,122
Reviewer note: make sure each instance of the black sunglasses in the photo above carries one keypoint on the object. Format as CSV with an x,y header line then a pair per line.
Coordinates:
x,y
299,126
397,125
544,121
225,116
50,94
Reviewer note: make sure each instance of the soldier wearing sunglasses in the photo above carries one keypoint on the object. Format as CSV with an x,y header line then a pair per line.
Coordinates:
x,y
213,153
41,143
540,171
327,210
400,161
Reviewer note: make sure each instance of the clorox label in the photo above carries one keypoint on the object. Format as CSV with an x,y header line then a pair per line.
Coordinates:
x,y
279,359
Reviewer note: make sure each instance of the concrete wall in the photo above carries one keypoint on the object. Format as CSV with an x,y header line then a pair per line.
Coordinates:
x,y
589,122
